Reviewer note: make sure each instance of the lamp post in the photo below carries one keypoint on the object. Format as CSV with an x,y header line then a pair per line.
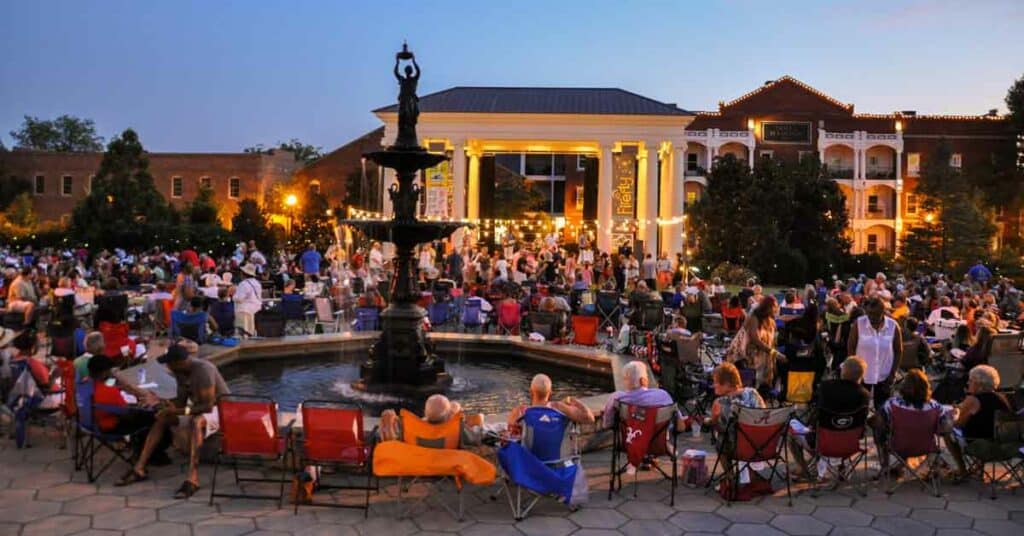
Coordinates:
x,y
290,201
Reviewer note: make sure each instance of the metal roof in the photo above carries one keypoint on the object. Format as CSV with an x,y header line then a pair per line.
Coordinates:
x,y
541,100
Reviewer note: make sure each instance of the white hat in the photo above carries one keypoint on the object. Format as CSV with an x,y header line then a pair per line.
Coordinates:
x,y
248,269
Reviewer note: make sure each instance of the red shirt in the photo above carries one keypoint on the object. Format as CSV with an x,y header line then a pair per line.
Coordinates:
x,y
189,256
109,396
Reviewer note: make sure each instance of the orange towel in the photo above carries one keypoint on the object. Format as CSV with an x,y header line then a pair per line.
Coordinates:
x,y
395,458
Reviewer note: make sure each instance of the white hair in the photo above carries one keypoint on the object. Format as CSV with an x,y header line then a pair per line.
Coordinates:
x,y
986,377
541,384
634,374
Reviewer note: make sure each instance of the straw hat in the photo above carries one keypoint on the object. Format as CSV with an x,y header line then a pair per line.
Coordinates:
x,y
248,269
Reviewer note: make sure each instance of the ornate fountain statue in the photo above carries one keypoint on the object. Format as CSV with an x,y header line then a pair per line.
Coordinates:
x,y
401,360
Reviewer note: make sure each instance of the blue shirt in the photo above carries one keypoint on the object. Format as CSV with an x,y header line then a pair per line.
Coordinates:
x,y
311,262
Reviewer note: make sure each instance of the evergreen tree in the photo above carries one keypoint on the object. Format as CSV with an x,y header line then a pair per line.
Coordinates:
x,y
313,223
252,223
203,209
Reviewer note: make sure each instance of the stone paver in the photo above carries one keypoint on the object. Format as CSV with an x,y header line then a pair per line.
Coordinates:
x,y
842,517
598,518
800,525
699,522
902,526
124,519
649,527
750,529
95,504
161,528
941,518
57,526
545,526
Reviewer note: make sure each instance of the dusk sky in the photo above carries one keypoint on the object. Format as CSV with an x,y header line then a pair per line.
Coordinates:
x,y
212,76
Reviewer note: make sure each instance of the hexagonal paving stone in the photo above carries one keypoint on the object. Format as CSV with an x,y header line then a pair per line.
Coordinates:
x,y
744,513
649,527
487,529
881,507
187,512
224,526
441,520
645,510
842,516
69,492
901,526
57,525
856,531
699,521
41,480
598,518
981,509
326,529
94,504
750,529
496,512
247,507
284,520
161,528
124,519
596,532
996,527
543,525
386,525
337,516
28,511
942,519
798,524
780,505
917,499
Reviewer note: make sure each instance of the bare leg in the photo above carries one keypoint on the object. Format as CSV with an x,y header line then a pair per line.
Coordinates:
x,y
958,454
197,432
156,433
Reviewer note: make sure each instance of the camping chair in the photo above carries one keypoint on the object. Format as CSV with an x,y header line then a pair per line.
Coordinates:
x,y
294,309
115,337
840,436
367,319
752,435
584,330
248,427
26,399
545,462
641,434
694,394
914,433
544,322
89,440
223,312
651,316
111,308
332,436
509,318
608,308
911,359
191,326
326,315
439,314
162,316
447,435
471,314
1000,452
944,328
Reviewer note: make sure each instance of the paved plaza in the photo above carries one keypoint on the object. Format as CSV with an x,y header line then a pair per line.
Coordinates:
x,y
41,495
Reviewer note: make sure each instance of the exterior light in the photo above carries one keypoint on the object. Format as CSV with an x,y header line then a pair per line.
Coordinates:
x,y
929,217
899,125
290,200
330,212
750,124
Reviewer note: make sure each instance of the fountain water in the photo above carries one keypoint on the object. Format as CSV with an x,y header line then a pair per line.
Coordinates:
x,y
402,361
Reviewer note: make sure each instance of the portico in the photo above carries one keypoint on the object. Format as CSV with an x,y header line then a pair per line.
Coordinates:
x,y
629,149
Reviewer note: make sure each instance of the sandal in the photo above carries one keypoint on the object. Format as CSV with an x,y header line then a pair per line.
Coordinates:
x,y
131,477
186,490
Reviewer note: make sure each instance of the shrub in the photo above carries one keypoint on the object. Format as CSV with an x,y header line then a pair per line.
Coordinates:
x,y
733,274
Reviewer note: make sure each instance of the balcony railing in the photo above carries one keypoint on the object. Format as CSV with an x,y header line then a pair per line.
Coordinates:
x,y
696,172
840,172
877,214
878,173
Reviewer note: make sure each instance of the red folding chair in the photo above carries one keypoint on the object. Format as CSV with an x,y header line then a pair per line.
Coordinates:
x,y
248,427
642,434
914,433
585,330
332,436
509,318
840,436
752,435
115,336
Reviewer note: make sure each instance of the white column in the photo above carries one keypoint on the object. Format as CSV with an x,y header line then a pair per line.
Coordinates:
x,y
856,165
643,156
678,203
604,200
473,189
710,158
750,155
666,192
459,177
899,167
898,217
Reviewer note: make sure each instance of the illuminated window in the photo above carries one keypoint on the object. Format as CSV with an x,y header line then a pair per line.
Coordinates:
x,y
206,182
579,198
913,164
691,198
872,243
955,160
40,185
176,185
911,203
65,185
233,187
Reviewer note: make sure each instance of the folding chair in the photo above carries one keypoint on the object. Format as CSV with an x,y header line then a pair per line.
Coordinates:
x,y
471,314
651,316
90,440
332,436
914,433
112,308
509,318
910,359
643,434
544,463
447,435
367,319
294,309
609,308
191,326
439,314
752,435
840,436
223,312
248,427
1000,452
326,315
584,330
115,337
543,322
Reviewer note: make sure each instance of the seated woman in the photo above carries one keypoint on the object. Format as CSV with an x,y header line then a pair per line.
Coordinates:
x,y
729,392
914,393
980,351
911,334
976,415
733,315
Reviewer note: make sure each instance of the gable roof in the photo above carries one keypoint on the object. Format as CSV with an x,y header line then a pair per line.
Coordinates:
x,y
541,100
792,81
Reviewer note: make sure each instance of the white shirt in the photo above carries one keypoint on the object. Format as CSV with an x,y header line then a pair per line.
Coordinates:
x,y
248,296
875,347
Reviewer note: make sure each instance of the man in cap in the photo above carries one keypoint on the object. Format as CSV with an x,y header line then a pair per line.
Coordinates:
x,y
194,411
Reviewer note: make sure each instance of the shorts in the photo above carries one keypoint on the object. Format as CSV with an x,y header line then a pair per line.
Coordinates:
x,y
212,422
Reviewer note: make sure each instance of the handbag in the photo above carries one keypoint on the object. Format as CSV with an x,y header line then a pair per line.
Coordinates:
x,y
737,350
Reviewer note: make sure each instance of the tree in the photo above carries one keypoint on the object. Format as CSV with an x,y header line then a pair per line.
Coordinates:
x,y
252,223
304,153
1015,104
64,134
313,223
11,187
20,213
203,209
123,208
513,196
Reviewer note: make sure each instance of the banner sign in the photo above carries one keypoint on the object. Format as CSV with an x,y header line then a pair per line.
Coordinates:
x,y
623,198
786,131
439,186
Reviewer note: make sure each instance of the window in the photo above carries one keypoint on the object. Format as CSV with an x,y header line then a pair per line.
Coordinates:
x,y
539,164
513,162
65,185
911,203
767,154
872,160
206,182
176,187
581,162
691,162
40,185
955,160
691,198
873,203
314,186
872,243
913,164
233,187
579,198
836,162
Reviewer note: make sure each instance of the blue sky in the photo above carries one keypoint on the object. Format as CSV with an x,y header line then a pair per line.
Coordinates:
x,y
223,75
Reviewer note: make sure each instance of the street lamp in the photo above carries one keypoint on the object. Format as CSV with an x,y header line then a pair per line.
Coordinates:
x,y
290,201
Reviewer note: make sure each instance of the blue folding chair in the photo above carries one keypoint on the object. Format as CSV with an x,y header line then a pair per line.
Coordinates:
x,y
544,463
439,314
191,326
223,312
367,319
471,314
90,440
294,309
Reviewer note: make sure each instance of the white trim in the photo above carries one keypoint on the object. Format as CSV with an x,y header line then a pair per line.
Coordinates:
x,y
71,186
181,186
234,181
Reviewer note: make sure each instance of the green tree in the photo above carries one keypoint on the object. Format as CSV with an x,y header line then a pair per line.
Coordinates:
x,y
313,222
252,223
1015,104
64,134
513,196
303,152
11,187
21,213
124,207
203,209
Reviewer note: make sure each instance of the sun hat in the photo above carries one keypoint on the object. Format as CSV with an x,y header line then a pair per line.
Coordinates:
x,y
248,269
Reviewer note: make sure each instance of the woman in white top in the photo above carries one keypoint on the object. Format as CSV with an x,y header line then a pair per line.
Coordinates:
x,y
877,340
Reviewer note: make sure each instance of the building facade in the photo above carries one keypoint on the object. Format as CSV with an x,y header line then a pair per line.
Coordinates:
x,y
60,180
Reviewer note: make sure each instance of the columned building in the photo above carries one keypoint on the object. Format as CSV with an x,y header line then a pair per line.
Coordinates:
x,y
606,160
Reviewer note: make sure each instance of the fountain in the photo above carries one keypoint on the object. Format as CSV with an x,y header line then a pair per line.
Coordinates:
x,y
402,361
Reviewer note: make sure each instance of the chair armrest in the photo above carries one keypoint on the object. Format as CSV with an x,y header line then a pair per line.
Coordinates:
x,y
289,428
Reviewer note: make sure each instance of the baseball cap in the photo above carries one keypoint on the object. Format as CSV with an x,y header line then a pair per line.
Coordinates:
x,y
174,354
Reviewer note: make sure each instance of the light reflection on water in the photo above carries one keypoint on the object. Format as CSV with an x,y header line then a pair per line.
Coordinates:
x,y
484,384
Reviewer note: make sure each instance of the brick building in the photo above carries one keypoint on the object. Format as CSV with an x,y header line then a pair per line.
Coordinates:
x,y
60,180
329,174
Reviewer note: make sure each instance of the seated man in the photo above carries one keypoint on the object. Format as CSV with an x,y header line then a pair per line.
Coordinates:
x,y
843,396
635,380
122,423
94,345
540,396
437,410
199,383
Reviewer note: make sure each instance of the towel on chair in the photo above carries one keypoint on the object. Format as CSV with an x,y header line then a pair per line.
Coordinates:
x,y
395,458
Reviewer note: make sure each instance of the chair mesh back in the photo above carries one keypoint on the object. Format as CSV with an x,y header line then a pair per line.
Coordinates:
x,y
759,432
416,431
471,312
585,328
114,337
913,431
438,313
508,314
546,434
839,434
324,313
333,434
367,319
291,306
249,426
689,349
644,430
